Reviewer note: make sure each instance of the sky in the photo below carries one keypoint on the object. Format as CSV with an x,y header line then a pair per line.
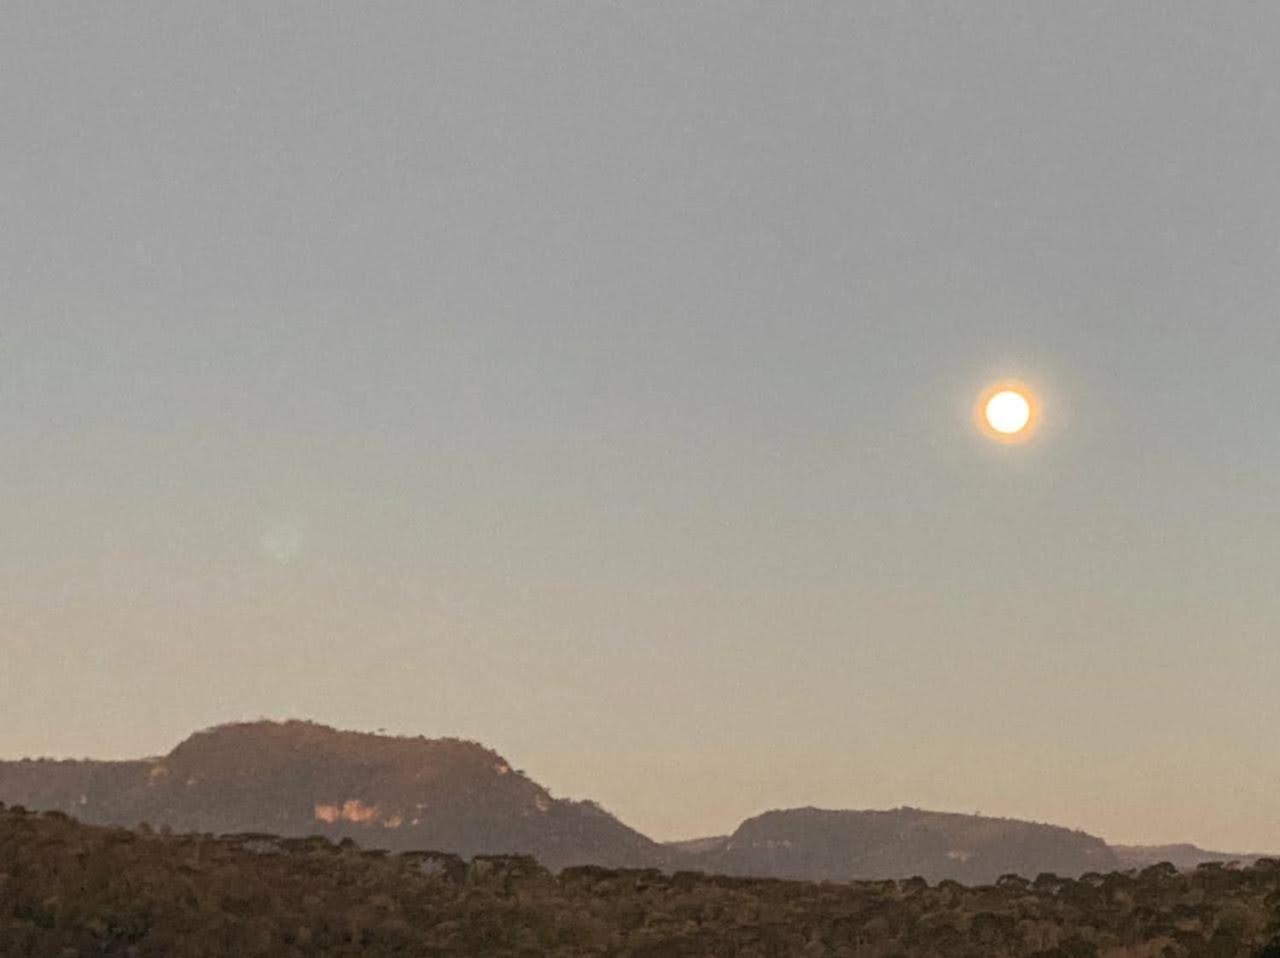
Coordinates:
x,y
594,380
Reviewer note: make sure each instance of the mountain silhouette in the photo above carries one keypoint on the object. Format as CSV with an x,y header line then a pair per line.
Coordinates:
x,y
1182,856
398,793
299,778
816,844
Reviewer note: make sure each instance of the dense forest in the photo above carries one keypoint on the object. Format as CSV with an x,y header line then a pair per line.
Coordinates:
x,y
68,889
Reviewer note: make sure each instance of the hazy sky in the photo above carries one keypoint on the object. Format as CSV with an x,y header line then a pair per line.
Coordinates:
x,y
594,380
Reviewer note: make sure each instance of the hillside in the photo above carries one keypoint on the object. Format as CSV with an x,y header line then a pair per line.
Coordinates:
x,y
399,793
815,844
1181,856
298,778
697,846
68,889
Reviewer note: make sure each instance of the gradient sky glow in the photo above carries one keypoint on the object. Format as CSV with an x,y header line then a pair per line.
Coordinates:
x,y
596,380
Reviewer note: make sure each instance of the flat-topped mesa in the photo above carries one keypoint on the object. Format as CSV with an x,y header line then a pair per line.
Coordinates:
x,y
400,793
298,778
840,845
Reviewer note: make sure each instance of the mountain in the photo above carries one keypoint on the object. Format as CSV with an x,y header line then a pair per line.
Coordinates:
x,y
1181,856
299,778
397,793
815,844
697,846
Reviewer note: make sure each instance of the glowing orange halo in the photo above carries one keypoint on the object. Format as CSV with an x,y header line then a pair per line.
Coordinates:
x,y
1033,412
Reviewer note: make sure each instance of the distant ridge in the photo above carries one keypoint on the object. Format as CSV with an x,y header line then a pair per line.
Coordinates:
x,y
399,793
300,778
814,843
1182,856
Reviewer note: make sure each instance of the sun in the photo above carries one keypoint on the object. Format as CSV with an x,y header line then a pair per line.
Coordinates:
x,y
1007,412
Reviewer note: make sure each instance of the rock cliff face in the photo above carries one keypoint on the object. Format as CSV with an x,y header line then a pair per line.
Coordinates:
x,y
297,778
814,843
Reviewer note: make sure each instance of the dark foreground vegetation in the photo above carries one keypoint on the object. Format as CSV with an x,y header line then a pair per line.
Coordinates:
x,y
68,889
